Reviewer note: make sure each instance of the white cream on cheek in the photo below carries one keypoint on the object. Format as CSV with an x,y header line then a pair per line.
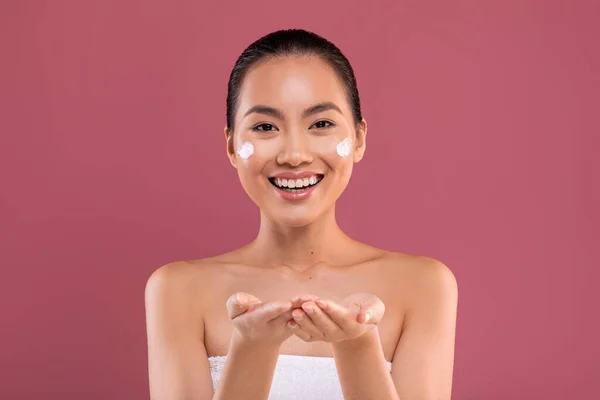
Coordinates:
x,y
246,150
343,147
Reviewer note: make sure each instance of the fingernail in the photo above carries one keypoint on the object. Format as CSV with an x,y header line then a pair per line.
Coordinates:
x,y
309,310
239,299
297,316
367,316
321,304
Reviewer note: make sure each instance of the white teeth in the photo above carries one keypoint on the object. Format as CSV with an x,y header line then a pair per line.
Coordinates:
x,y
296,183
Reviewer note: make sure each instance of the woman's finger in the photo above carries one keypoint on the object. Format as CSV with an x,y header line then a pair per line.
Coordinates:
x,y
338,314
366,307
320,319
365,316
238,303
298,300
298,331
268,311
306,324
283,318
371,313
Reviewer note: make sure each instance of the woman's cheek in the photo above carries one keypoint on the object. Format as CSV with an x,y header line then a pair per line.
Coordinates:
x,y
248,154
253,156
342,160
337,152
246,150
343,147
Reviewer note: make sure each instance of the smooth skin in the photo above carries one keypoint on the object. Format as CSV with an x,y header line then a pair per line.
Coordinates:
x,y
302,287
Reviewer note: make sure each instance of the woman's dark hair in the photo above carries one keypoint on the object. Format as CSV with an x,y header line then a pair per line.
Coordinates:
x,y
291,42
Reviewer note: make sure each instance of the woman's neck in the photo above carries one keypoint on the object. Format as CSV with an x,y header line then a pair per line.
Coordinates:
x,y
299,248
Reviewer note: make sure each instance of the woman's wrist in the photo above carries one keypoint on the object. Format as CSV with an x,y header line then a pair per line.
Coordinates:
x,y
248,372
239,344
366,340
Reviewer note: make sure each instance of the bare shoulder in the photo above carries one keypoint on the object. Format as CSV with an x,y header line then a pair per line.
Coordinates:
x,y
178,274
416,268
184,282
418,277
420,269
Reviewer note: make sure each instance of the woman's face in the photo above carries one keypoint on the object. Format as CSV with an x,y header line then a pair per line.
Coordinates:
x,y
294,127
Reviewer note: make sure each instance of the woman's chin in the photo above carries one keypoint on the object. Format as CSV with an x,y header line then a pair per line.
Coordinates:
x,y
297,222
293,220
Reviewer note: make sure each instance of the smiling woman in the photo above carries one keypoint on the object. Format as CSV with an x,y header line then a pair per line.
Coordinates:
x,y
310,312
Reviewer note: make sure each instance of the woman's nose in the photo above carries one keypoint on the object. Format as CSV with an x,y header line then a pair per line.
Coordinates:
x,y
295,150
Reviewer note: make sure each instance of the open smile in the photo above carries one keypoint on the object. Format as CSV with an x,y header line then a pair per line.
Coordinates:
x,y
296,185
296,189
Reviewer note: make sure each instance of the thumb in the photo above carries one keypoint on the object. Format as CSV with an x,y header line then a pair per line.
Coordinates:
x,y
371,312
239,303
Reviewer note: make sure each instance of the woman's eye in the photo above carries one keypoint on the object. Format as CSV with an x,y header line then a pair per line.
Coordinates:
x,y
322,124
264,127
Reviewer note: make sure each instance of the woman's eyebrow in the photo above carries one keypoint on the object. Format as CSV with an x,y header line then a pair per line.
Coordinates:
x,y
261,109
274,112
326,106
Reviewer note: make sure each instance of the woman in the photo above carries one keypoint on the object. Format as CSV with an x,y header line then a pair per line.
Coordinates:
x,y
303,311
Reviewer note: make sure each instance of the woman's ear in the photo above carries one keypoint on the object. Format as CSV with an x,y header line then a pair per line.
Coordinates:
x,y
230,147
361,141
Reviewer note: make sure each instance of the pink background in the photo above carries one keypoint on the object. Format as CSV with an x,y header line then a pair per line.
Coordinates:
x,y
482,152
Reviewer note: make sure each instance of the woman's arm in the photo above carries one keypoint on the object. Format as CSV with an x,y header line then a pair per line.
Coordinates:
x,y
424,358
177,362
259,329
362,369
248,372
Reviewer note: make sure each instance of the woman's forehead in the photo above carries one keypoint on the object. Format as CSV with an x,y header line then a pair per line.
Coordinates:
x,y
292,82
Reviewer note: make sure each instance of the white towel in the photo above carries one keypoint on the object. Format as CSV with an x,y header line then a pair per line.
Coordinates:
x,y
296,377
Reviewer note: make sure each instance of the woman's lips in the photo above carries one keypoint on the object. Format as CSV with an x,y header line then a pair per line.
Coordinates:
x,y
296,194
